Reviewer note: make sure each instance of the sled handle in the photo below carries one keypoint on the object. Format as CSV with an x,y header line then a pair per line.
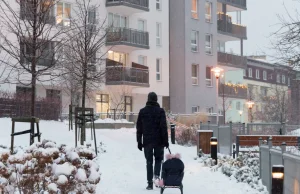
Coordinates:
x,y
169,150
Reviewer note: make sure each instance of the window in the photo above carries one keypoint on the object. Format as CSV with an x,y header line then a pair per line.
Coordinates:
x,y
264,75
210,110
249,72
208,43
289,81
142,60
238,105
208,77
278,78
195,73
230,105
102,104
27,10
117,57
92,16
194,9
53,94
195,109
194,41
142,25
263,91
63,11
257,73
158,5
283,79
221,46
208,11
158,69
128,104
271,76
244,72
117,20
23,92
158,34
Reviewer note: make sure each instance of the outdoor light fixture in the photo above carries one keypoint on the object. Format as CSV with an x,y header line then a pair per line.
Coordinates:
x,y
110,52
277,179
214,149
217,71
250,104
240,112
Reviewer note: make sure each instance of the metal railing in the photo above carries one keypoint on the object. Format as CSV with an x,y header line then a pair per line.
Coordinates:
x,y
144,4
127,36
225,25
238,3
127,75
231,91
232,60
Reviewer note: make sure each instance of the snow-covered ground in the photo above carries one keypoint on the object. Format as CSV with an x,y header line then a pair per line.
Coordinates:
x,y
123,166
111,121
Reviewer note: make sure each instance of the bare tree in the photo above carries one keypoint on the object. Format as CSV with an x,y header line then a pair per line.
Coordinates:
x,y
29,41
85,51
118,97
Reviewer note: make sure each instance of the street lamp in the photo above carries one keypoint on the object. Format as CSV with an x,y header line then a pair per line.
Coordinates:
x,y
217,71
241,112
250,106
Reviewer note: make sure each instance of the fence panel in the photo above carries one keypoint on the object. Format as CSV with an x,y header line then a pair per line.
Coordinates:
x,y
265,166
265,129
291,173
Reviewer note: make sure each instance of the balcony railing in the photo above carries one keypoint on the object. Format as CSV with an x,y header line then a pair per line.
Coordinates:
x,y
237,3
121,75
232,60
127,36
232,91
226,26
138,4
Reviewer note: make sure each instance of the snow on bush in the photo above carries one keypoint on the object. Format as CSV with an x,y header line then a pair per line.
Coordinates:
x,y
245,168
47,168
187,137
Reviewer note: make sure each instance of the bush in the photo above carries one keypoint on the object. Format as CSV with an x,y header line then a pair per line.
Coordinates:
x,y
186,136
47,168
190,120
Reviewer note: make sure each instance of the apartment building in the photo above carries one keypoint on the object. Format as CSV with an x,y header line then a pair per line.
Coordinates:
x,y
137,43
198,36
267,82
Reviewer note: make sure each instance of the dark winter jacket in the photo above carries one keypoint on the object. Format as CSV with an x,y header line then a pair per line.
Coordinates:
x,y
151,124
173,172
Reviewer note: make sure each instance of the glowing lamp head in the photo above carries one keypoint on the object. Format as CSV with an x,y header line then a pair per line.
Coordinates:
x,y
240,112
213,141
277,172
217,71
110,52
250,104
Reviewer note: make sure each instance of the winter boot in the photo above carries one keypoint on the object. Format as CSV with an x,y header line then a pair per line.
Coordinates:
x,y
150,186
156,180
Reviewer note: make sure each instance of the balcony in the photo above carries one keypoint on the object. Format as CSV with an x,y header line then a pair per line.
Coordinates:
x,y
127,39
226,27
127,7
232,91
117,74
231,60
241,4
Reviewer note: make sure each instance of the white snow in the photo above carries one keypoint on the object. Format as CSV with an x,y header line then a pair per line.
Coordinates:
x,y
63,169
112,121
62,180
81,175
52,187
123,166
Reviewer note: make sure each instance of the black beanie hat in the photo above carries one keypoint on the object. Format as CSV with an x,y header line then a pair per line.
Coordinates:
x,y
152,97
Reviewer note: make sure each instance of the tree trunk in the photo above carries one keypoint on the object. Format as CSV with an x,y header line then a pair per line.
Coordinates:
x,y
82,139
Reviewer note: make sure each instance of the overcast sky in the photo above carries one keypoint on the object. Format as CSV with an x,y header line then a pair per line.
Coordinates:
x,y
261,20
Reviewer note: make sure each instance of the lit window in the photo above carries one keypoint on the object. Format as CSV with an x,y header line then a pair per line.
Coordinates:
x,y
195,73
208,43
194,9
63,14
194,41
208,11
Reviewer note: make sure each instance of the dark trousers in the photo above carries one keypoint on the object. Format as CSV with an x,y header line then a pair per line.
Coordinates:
x,y
158,153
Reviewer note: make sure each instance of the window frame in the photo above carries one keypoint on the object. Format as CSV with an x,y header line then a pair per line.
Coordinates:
x,y
197,108
257,72
283,79
158,2
278,78
238,105
120,20
159,31
194,13
197,41
250,74
158,73
265,75
211,15
289,81
209,50
63,19
197,75
144,23
144,60
209,82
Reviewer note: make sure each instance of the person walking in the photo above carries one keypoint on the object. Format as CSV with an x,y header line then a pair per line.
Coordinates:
x,y
152,135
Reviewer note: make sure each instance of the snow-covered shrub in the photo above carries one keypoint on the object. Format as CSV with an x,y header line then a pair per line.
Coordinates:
x,y
245,168
185,136
47,168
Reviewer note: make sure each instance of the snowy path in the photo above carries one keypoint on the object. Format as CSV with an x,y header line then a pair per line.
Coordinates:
x,y
123,169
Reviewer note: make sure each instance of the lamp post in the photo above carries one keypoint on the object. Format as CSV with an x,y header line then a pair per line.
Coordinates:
x,y
250,106
241,112
214,149
277,179
217,71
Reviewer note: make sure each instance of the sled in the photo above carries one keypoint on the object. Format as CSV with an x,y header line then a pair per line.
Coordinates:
x,y
162,189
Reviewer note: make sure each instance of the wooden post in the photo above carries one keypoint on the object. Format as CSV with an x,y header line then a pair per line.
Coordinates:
x,y
95,141
38,131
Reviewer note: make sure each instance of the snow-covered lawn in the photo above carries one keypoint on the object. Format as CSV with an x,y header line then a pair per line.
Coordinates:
x,y
123,166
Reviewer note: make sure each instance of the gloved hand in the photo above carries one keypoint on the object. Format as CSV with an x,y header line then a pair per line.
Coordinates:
x,y
140,146
167,144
